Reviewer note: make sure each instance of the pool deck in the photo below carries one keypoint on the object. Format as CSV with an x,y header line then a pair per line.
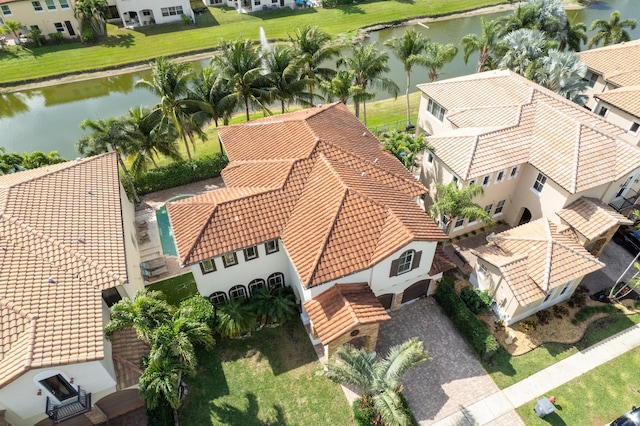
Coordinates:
x,y
157,199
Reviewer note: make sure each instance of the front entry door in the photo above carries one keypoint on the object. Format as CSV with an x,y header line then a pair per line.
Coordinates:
x,y
70,28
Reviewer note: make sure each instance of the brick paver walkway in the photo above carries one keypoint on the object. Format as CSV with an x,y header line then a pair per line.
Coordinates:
x,y
452,379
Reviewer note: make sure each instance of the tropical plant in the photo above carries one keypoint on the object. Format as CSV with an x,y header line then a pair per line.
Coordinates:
x,y
523,50
198,308
368,65
274,305
285,78
408,49
94,13
436,55
240,66
524,16
564,73
404,147
108,135
485,45
314,48
211,91
340,86
11,26
39,159
378,379
235,318
572,36
612,31
10,162
36,35
453,202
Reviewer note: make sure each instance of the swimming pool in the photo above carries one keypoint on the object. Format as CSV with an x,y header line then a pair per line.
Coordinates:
x,y
164,228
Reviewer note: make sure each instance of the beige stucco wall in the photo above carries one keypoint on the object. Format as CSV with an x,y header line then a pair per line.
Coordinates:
x,y
428,123
620,118
600,86
23,12
132,253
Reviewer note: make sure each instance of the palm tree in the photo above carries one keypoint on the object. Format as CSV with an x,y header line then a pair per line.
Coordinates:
x,y
240,66
13,27
109,135
436,55
572,36
314,48
10,162
170,82
341,86
39,159
563,72
525,15
145,313
453,202
523,50
211,91
378,379
274,305
151,139
93,12
485,44
408,49
404,147
160,384
368,65
284,74
611,31
235,318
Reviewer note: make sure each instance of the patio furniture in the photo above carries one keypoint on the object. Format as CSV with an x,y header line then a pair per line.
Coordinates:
x,y
141,224
153,264
154,273
143,237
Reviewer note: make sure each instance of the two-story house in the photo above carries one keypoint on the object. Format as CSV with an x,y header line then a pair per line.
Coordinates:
x,y
312,201
67,253
614,86
541,159
49,16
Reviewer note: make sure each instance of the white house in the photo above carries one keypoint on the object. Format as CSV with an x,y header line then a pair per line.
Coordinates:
x,y
67,252
311,201
246,6
135,13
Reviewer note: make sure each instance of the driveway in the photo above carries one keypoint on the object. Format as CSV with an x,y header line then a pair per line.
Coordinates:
x,y
617,259
453,379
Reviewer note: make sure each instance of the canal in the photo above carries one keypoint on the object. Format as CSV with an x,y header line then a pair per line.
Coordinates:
x,y
48,119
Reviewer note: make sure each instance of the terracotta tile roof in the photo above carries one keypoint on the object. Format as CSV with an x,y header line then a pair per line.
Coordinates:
x,y
537,257
618,63
587,152
50,281
441,263
343,308
341,206
127,350
591,217
626,98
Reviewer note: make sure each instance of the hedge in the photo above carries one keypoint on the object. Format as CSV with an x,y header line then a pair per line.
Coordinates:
x,y
177,174
471,328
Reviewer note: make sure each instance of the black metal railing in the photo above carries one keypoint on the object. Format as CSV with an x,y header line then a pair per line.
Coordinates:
x,y
393,127
623,203
69,408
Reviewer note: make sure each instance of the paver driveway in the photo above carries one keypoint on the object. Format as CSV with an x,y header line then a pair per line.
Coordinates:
x,y
452,379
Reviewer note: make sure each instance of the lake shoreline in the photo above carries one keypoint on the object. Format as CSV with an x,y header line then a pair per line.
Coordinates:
x,y
129,68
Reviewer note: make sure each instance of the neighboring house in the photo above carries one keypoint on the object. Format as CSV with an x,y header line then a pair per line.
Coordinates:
x,y
614,85
311,200
67,253
541,263
532,150
49,16
135,13
246,6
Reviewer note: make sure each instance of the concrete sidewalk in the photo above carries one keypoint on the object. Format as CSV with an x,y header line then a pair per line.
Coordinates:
x,y
494,406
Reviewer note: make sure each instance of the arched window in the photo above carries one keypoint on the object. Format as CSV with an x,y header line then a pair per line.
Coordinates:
x,y
276,280
238,292
218,297
256,284
407,261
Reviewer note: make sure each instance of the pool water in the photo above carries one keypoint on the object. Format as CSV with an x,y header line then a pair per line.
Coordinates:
x,y
164,228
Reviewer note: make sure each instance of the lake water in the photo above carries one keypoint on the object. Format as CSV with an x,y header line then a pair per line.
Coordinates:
x,y
48,119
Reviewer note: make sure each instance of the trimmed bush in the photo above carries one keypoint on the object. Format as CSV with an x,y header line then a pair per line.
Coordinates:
x,y
471,328
201,309
479,302
177,174
56,38
88,35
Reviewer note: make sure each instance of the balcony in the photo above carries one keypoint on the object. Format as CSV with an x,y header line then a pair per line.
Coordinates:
x,y
69,408
623,204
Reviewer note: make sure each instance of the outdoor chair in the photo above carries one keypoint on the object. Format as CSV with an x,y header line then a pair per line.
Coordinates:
x,y
154,264
154,273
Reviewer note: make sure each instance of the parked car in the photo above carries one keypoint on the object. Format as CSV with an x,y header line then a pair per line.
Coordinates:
x,y
632,418
629,238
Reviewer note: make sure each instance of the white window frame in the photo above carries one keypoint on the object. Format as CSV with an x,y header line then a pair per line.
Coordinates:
x,y
603,111
229,259
6,10
499,208
207,266
500,176
435,110
592,80
486,180
50,7
430,157
637,128
271,246
488,208
473,182
538,185
35,4
276,280
514,172
454,178
405,262
238,292
64,4
459,223
482,270
215,297
248,256
256,284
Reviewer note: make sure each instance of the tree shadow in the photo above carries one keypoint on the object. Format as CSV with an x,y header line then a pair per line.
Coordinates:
x,y
228,414
281,12
554,419
12,104
352,10
120,40
289,349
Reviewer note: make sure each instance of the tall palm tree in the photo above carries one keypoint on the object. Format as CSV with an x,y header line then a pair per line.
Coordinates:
x,y
151,138
378,379
408,49
235,318
314,48
145,313
368,65
340,87
211,90
94,13
453,202
285,77
39,159
564,73
240,66
525,15
523,50
11,26
485,44
274,305
170,82
611,31
160,384
436,55
109,135
572,36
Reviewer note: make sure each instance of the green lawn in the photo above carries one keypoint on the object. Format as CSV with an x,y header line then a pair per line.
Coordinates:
x,y
123,46
268,379
507,370
595,398
177,288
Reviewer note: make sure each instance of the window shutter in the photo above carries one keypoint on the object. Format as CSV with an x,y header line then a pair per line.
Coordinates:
x,y
416,260
394,268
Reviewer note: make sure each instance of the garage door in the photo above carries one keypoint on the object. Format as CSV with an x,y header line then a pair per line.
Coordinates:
x,y
416,290
386,300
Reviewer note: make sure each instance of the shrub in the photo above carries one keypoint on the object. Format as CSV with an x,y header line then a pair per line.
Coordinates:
x,y
471,328
185,19
479,302
543,317
88,35
527,326
365,415
560,311
56,38
577,300
201,309
588,311
36,35
177,174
